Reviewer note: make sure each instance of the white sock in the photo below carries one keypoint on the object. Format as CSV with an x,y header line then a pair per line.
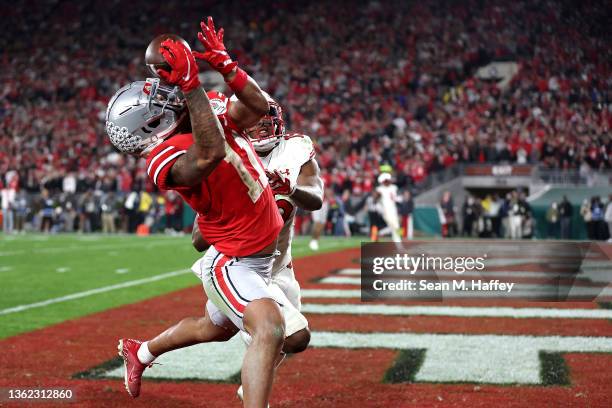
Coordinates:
x,y
144,355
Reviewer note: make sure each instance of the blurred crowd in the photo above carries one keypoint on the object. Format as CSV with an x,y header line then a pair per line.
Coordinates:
x,y
89,211
511,216
596,214
494,216
373,82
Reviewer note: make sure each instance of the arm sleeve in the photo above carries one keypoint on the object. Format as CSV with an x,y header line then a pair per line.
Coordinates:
x,y
160,163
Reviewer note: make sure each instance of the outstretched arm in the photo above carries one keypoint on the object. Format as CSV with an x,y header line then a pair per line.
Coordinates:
x,y
252,103
208,148
307,193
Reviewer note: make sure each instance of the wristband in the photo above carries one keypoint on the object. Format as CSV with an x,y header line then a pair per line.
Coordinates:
x,y
239,82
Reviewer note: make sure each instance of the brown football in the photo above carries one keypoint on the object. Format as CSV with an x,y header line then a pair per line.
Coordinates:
x,y
153,57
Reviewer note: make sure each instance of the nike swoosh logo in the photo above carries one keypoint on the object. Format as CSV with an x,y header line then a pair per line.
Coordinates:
x,y
132,377
186,77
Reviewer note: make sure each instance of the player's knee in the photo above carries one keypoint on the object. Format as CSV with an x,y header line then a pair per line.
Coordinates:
x,y
270,332
297,342
265,322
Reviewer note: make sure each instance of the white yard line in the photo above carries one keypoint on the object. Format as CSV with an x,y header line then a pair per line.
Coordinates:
x,y
331,293
341,280
72,247
96,291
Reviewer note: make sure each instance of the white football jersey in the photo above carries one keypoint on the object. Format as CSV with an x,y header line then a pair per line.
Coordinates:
x,y
288,157
388,201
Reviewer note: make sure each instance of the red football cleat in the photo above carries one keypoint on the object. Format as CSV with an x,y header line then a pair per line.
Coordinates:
x,y
133,368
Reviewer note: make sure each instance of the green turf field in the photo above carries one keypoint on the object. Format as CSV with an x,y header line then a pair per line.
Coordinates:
x,y
42,268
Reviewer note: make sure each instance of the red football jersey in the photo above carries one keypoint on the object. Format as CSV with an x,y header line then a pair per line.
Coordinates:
x,y
236,207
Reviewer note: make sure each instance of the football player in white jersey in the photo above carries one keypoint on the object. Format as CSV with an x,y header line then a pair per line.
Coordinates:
x,y
295,179
294,176
388,199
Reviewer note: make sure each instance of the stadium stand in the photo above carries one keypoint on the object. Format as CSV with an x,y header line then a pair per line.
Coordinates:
x,y
374,83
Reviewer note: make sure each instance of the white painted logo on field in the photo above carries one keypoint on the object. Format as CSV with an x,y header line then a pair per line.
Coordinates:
x,y
489,359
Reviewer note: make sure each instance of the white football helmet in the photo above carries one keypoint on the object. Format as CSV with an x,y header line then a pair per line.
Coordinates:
x,y
142,114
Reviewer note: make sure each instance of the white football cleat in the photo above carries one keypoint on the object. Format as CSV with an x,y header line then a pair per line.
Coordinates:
x,y
240,393
314,245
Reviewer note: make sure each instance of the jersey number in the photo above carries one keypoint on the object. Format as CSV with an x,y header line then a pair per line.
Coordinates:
x,y
254,177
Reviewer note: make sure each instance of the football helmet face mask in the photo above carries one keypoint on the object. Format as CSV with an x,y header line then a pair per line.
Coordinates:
x,y
265,134
142,114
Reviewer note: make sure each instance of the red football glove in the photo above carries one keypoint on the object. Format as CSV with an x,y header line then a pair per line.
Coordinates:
x,y
279,183
184,68
216,55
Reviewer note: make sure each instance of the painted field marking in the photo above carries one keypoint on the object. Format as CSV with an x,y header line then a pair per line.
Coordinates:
x,y
519,291
40,238
62,269
331,293
96,291
122,270
5,268
212,361
72,247
88,238
342,280
492,359
459,311
350,271
497,359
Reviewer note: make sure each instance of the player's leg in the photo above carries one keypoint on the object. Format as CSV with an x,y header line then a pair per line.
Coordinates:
x,y
317,229
190,331
297,333
319,218
264,322
214,326
286,291
297,336
239,288
137,356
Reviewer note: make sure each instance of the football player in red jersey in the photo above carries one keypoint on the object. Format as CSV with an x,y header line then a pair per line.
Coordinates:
x,y
216,171
295,179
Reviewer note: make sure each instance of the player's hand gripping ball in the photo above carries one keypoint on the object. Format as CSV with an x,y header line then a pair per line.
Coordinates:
x,y
153,58
183,68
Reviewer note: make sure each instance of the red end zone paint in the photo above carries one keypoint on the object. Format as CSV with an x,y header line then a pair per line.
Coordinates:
x,y
317,378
